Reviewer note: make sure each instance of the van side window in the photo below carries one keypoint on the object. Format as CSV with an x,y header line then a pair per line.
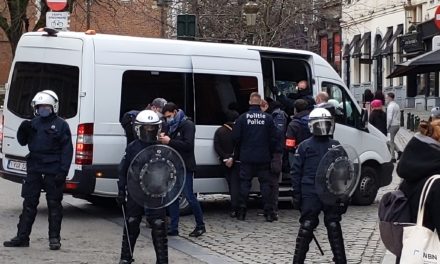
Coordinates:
x,y
216,94
29,78
139,88
346,111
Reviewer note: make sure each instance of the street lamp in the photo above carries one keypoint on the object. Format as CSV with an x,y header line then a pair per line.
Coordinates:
x,y
250,10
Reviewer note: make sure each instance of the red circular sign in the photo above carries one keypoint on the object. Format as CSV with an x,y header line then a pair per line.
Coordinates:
x,y
437,17
56,5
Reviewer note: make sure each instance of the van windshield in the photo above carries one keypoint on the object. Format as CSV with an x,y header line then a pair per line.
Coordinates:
x,y
31,77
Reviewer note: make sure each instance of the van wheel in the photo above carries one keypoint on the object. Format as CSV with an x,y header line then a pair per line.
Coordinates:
x,y
184,207
367,188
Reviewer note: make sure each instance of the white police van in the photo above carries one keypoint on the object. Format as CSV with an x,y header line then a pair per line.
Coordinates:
x,y
100,77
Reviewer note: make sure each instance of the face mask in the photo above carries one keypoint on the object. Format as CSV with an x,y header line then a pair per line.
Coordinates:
x,y
170,119
44,111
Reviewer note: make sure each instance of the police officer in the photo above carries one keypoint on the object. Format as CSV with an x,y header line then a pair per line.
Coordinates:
x,y
304,168
256,135
147,127
128,119
50,145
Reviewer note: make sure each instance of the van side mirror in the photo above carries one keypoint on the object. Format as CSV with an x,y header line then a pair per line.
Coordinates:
x,y
364,119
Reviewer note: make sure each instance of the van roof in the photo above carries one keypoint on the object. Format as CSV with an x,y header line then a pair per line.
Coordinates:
x,y
181,44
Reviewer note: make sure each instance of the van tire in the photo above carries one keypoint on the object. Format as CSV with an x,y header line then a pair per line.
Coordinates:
x,y
366,190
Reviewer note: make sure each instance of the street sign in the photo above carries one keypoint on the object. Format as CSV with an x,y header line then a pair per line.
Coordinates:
x,y
57,20
437,17
56,5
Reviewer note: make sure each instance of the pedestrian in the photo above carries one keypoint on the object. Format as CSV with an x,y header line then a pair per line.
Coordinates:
x,y
180,136
50,147
393,122
224,147
298,129
128,119
147,128
378,118
304,167
419,161
380,96
256,135
368,96
279,159
321,99
435,113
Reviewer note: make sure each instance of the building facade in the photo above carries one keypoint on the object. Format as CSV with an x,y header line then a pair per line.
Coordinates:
x,y
378,35
125,17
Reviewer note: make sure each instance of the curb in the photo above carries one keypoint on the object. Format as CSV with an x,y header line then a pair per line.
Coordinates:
x,y
389,258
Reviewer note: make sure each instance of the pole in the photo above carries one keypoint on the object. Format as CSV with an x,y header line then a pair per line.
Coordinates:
x,y
88,7
162,21
126,230
319,246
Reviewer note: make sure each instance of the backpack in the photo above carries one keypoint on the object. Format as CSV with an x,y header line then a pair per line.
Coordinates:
x,y
280,120
394,214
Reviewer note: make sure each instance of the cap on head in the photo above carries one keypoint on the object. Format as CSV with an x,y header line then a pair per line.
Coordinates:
x,y
376,103
435,112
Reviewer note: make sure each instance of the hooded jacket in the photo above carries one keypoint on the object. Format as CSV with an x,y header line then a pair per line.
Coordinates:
x,y
419,161
298,130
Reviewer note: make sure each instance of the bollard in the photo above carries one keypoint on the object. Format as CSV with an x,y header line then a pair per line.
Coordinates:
x,y
402,118
411,123
408,121
416,123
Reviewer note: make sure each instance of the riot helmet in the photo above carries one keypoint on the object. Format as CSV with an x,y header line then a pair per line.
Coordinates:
x,y
147,126
45,98
321,122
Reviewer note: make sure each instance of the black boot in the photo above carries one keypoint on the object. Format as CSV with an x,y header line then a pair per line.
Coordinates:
x,y
305,236
24,226
160,240
241,214
55,218
129,240
336,240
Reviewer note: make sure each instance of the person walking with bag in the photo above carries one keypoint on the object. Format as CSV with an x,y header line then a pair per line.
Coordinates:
x,y
419,161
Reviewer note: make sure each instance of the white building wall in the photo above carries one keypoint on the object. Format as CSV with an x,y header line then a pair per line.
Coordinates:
x,y
373,16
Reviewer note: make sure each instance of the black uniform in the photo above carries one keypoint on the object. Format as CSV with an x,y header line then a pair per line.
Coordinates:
x,y
50,154
304,167
134,213
257,136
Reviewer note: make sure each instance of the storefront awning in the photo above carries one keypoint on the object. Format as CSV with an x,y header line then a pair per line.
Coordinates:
x,y
428,62
382,45
357,53
389,47
354,42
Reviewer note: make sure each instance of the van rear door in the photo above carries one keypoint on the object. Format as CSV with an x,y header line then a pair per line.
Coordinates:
x,y
41,63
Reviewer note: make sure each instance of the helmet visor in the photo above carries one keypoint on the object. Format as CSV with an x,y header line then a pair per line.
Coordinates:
x,y
147,133
322,127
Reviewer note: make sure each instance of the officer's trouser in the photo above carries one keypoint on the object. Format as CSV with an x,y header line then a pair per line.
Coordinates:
x,y
30,191
156,219
311,207
261,170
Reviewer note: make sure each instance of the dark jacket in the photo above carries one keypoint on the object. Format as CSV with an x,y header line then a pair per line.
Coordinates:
x,y
50,144
419,161
182,140
378,119
130,153
297,130
223,143
306,161
127,122
257,136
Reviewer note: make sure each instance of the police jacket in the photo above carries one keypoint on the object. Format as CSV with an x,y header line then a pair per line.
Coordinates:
x,y
298,130
131,151
419,161
50,144
257,136
182,140
306,160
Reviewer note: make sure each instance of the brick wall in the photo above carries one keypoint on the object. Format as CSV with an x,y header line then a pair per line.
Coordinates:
x,y
132,18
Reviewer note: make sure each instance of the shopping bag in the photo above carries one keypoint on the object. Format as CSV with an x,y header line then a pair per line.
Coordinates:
x,y
420,244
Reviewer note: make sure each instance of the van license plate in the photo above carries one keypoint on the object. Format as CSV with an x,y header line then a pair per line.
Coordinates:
x,y
17,165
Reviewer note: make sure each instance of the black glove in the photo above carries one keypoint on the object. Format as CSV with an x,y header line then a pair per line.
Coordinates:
x,y
60,178
121,199
25,132
275,90
276,163
296,203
